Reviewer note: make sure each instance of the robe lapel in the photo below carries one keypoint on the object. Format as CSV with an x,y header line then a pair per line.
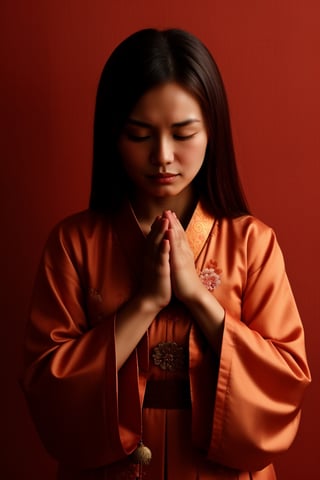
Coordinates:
x,y
199,228
132,241
202,368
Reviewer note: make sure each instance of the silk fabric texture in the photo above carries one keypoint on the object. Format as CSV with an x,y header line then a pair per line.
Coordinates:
x,y
245,405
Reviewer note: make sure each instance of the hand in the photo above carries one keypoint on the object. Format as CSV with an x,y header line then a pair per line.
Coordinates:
x,y
155,280
184,278
153,293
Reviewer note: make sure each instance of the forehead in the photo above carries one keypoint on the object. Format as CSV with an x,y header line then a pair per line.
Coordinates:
x,y
168,102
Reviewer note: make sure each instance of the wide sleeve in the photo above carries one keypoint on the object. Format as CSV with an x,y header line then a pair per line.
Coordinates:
x,y
69,376
263,369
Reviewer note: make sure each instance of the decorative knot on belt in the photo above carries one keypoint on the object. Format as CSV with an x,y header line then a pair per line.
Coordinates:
x,y
169,356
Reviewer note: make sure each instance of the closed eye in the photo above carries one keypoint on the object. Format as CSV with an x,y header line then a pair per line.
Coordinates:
x,y
138,138
182,138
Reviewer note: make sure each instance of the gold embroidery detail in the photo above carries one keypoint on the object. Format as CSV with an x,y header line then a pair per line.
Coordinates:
x,y
169,356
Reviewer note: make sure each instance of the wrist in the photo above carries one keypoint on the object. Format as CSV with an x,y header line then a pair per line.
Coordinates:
x,y
202,302
147,305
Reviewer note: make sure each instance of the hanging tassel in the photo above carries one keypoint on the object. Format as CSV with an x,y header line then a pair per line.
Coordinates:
x,y
142,454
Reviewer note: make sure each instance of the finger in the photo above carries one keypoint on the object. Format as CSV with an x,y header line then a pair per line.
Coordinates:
x,y
165,246
173,220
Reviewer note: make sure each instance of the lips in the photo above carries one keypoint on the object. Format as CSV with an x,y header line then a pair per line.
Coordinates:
x,y
164,175
167,178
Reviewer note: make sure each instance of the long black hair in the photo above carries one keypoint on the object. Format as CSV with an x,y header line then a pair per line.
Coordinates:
x,y
146,59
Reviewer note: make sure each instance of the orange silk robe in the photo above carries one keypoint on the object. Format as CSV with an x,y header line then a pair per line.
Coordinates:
x,y
245,405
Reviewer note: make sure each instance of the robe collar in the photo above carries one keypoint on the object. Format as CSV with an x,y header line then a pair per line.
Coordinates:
x,y
133,239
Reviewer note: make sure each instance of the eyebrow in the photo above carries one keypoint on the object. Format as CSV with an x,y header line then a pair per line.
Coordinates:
x,y
184,123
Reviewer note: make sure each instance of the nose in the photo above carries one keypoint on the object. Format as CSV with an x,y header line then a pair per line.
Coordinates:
x,y
162,152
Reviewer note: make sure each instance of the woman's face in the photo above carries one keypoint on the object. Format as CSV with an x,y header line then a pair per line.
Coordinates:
x,y
163,142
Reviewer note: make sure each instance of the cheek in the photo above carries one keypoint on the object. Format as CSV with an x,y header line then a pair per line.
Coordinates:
x,y
194,160
195,153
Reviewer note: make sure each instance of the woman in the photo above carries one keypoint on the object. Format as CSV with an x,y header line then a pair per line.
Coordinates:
x,y
164,341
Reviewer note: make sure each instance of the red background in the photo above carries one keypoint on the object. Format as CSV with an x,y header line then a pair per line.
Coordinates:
x,y
52,55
